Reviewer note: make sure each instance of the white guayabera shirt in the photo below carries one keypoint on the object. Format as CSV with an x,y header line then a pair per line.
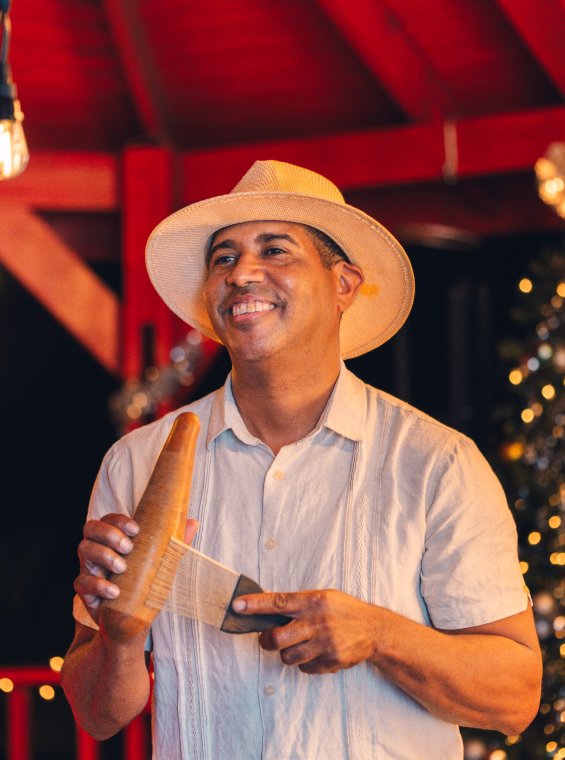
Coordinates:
x,y
379,501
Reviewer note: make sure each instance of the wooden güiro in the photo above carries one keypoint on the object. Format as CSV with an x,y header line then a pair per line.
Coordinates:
x,y
161,516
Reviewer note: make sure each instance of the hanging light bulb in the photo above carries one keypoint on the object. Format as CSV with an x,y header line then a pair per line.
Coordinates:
x,y
14,154
550,175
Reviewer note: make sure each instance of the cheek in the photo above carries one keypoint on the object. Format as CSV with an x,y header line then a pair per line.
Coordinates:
x,y
209,294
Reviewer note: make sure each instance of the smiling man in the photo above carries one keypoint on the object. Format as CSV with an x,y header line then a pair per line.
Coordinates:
x,y
382,534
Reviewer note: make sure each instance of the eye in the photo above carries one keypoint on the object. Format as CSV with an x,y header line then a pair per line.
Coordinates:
x,y
222,260
273,251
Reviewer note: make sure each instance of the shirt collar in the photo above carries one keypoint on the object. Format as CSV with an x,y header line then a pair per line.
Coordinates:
x,y
345,411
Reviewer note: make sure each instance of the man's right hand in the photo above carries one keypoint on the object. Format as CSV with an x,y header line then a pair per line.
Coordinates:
x,y
102,551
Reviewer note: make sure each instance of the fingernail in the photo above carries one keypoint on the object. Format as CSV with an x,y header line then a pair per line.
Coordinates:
x,y
119,565
132,528
113,591
125,545
238,605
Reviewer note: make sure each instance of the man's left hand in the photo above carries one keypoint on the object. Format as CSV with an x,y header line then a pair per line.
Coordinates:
x,y
329,630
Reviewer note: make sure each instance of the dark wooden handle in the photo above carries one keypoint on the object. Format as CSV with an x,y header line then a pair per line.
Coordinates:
x,y
234,623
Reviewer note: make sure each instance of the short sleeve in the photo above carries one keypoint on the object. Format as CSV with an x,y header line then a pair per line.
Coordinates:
x,y
470,571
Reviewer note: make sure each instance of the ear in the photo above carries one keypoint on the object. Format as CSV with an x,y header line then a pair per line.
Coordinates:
x,y
349,278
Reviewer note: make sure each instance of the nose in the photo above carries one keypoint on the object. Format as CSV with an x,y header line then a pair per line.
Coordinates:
x,y
246,270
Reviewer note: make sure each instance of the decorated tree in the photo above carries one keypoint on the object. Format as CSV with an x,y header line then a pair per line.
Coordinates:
x,y
532,468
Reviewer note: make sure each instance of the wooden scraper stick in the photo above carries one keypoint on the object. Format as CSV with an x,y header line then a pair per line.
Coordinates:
x,y
161,516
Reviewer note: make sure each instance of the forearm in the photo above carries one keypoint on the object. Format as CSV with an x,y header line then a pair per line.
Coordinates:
x,y
106,684
481,680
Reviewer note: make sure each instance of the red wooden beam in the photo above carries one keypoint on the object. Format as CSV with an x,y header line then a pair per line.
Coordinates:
x,y
375,158
70,181
62,282
18,725
87,747
541,26
139,66
365,159
380,40
147,199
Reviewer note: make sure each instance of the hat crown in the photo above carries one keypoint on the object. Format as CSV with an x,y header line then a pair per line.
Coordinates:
x,y
279,177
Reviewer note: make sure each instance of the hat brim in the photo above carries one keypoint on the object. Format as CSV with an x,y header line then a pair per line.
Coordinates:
x,y
176,249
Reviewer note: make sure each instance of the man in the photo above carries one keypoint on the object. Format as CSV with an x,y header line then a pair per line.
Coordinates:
x,y
383,534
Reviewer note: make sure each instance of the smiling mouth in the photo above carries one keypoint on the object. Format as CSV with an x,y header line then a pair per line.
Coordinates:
x,y
249,307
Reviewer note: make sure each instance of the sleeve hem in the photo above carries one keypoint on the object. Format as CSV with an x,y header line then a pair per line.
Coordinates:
x,y
454,619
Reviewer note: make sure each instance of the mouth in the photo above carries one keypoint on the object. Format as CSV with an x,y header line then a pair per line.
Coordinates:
x,y
249,307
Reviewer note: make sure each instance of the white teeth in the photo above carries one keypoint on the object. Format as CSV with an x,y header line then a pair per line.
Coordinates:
x,y
251,306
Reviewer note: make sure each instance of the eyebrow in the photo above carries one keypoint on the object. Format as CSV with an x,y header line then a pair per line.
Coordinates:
x,y
264,237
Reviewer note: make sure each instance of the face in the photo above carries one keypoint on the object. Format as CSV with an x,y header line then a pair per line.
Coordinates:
x,y
267,292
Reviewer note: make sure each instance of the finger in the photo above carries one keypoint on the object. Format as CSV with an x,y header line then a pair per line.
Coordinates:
x,y
299,655
269,603
123,522
109,534
99,559
190,530
318,666
294,633
92,589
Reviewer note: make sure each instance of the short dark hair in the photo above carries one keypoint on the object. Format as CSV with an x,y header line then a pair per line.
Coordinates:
x,y
329,251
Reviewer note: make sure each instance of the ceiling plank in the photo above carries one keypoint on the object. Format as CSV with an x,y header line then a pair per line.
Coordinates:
x,y
62,282
541,27
140,69
65,181
393,57
486,145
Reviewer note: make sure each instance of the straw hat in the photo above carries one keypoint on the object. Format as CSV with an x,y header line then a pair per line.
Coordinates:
x,y
275,191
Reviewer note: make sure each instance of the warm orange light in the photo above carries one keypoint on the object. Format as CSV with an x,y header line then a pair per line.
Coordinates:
x,y
548,391
526,285
56,663
46,692
516,376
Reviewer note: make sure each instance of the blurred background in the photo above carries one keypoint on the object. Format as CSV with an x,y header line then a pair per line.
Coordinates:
x,y
443,119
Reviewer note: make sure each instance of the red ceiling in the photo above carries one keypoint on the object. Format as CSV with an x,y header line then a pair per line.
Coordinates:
x,y
358,89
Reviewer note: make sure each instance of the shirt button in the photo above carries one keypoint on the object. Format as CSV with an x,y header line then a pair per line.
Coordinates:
x,y
270,543
269,690
278,475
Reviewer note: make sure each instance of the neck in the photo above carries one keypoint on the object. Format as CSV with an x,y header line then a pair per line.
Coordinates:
x,y
281,405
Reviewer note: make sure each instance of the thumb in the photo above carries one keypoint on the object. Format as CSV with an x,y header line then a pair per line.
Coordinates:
x,y
190,530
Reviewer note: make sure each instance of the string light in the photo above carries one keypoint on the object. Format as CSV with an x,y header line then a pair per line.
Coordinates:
x,y
527,415
516,377
548,392
525,285
56,663
46,692
550,175
140,398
